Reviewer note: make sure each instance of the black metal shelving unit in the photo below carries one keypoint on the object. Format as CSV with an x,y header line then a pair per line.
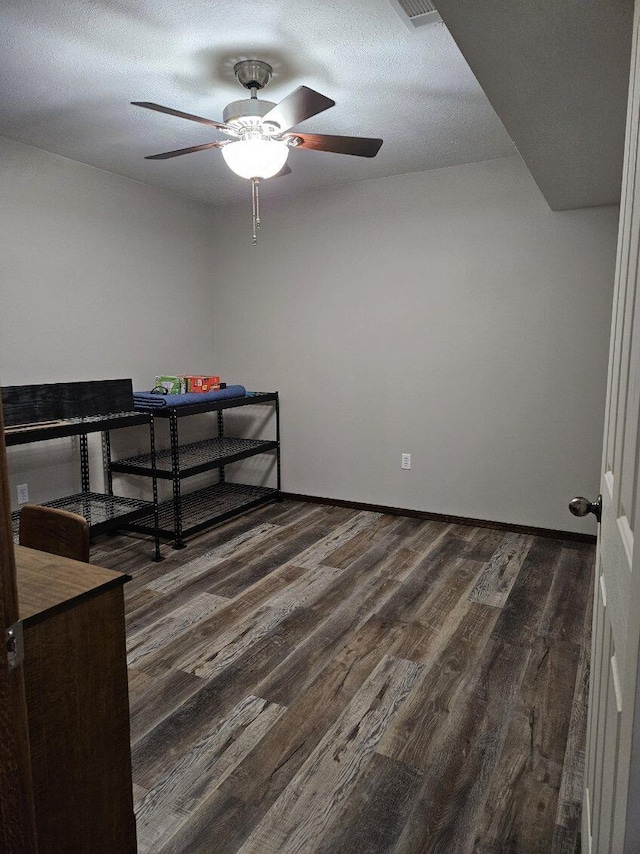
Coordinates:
x,y
103,512
191,512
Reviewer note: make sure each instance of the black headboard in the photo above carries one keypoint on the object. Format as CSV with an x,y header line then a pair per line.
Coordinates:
x,y
32,404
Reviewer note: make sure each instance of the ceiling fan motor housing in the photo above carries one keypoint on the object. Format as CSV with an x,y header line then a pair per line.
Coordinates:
x,y
246,115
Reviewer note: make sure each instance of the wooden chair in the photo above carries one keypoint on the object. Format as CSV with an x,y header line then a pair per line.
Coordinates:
x,y
55,531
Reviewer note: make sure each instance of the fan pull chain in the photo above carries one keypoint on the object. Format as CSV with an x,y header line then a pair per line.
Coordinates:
x,y
255,208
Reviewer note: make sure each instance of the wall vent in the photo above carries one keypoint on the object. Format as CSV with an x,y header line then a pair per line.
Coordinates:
x,y
416,13
414,8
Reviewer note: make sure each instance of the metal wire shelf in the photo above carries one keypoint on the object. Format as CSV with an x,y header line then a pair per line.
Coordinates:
x,y
252,399
28,433
195,457
204,506
102,512
186,514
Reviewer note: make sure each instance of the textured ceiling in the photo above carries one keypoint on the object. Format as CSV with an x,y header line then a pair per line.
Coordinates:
x,y
69,69
557,72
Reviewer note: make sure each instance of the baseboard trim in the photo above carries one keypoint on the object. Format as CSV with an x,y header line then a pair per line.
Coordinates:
x,y
442,517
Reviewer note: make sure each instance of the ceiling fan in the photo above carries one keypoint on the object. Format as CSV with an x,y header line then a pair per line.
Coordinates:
x,y
261,131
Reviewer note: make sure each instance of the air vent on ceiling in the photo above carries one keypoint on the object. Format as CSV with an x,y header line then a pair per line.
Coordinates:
x,y
416,13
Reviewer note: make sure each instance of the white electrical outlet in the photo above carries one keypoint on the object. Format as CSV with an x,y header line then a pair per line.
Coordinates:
x,y
406,461
23,493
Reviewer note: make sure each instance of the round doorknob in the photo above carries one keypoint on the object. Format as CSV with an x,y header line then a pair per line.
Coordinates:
x,y
580,506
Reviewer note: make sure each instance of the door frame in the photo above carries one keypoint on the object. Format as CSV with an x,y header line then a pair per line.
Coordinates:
x,y
17,823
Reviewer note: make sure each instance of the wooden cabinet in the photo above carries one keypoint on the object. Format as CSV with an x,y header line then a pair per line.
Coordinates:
x,y
77,703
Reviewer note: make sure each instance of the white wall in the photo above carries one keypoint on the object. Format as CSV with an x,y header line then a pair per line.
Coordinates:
x,y
449,314
100,277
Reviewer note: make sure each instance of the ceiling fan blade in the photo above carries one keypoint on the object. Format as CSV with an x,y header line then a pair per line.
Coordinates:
x,y
167,154
358,145
301,104
150,106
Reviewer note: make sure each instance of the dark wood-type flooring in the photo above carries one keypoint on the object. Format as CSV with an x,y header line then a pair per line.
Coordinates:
x,y
318,679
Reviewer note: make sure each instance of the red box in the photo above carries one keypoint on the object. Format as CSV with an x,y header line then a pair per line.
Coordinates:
x,y
202,384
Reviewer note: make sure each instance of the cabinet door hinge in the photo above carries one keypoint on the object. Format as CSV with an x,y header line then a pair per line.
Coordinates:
x,y
14,642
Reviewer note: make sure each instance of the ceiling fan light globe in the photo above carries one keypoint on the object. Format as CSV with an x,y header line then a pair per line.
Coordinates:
x,y
255,158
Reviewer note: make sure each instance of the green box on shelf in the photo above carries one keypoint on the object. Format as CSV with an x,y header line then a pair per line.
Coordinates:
x,y
173,385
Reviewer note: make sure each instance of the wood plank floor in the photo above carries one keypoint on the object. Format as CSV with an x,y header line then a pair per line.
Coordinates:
x,y
318,679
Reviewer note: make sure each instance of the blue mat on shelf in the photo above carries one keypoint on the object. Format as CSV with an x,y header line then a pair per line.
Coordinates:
x,y
150,400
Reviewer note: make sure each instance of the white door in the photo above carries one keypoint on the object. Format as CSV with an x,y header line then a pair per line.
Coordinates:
x,y
611,802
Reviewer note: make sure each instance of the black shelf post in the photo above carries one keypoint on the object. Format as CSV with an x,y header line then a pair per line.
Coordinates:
x,y
175,472
154,483
106,460
221,436
84,463
278,470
